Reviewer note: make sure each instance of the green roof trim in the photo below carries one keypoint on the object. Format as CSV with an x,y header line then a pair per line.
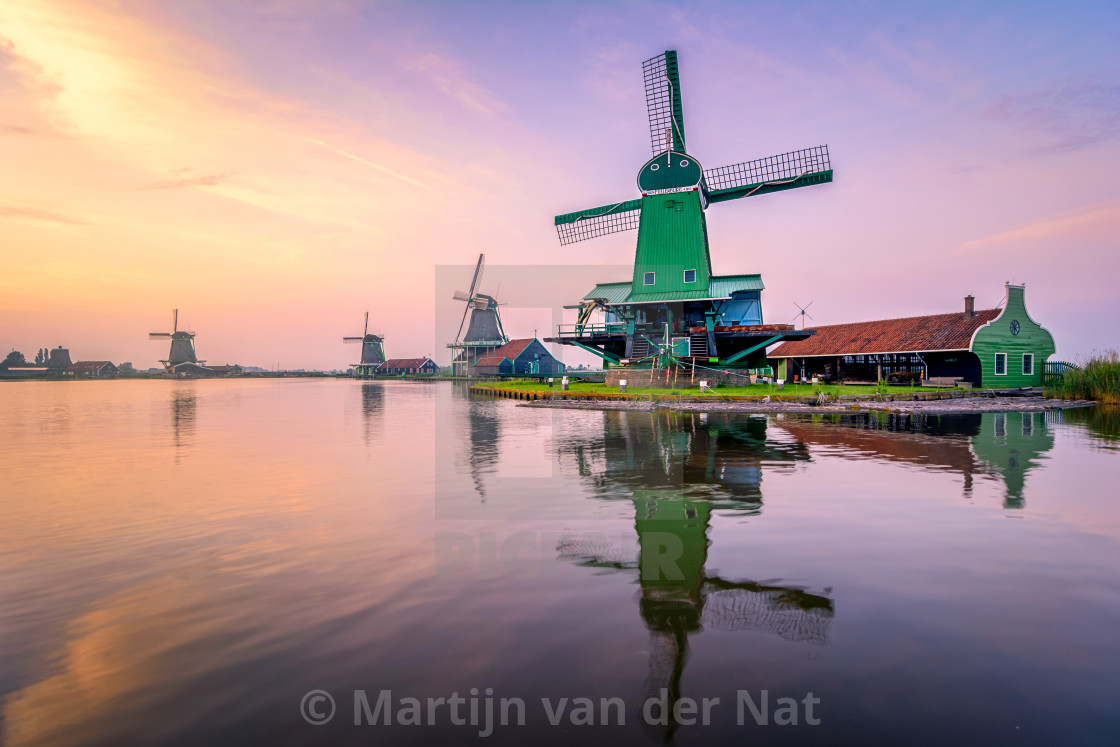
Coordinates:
x,y
611,293
721,286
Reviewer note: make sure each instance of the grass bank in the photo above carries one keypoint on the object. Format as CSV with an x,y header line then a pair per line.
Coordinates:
x,y
1097,379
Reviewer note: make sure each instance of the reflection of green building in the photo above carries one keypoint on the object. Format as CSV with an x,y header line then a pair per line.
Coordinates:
x,y
1012,444
1001,445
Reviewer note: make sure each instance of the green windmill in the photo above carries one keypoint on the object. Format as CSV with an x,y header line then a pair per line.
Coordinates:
x,y
674,308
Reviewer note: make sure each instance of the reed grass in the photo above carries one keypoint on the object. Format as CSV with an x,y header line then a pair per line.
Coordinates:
x,y
1098,379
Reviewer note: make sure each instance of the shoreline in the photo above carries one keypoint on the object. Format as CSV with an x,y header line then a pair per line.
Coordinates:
x,y
958,406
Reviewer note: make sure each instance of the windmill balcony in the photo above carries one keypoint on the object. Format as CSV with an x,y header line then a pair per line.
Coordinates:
x,y
590,330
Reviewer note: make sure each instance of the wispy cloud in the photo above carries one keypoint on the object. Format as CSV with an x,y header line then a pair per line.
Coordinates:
x,y
11,129
1068,116
186,179
9,209
1053,226
371,164
448,76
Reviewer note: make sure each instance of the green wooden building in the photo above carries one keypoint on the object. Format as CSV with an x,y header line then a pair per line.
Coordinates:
x,y
996,348
1012,348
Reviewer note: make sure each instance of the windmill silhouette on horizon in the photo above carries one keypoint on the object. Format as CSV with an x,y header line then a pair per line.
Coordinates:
x,y
182,345
373,351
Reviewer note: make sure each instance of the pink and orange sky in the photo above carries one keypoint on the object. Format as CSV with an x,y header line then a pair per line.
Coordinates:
x,y
275,169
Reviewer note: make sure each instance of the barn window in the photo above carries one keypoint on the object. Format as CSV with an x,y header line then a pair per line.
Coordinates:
x,y
648,278
690,276
1028,364
1001,364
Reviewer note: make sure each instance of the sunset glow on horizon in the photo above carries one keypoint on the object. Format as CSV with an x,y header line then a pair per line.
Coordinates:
x,y
275,169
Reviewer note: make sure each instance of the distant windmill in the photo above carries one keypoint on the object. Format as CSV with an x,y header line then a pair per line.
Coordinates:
x,y
373,351
484,333
182,345
803,313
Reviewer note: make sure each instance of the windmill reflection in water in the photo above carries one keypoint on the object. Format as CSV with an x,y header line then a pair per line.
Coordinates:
x,y
697,463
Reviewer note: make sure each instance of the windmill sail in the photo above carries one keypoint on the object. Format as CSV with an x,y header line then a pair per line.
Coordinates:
x,y
663,101
799,168
469,295
587,224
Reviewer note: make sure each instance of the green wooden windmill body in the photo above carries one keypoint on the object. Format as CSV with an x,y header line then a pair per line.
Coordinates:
x,y
673,291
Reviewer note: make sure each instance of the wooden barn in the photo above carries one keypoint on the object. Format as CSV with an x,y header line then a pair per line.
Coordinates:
x,y
398,366
92,369
527,357
995,348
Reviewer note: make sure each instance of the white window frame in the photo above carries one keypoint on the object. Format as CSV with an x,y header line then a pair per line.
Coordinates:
x,y
1026,357
649,278
693,276
995,364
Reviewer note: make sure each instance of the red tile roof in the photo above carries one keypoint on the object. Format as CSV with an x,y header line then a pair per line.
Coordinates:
x,y
406,363
510,350
912,334
489,360
87,366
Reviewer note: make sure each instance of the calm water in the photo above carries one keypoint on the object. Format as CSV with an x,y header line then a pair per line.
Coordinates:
x,y
182,562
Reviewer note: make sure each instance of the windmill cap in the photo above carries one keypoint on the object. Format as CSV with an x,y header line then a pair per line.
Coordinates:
x,y
670,171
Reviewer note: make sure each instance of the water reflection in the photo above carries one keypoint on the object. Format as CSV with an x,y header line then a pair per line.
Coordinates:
x,y
373,402
676,468
1012,444
1006,446
718,456
1101,422
183,412
479,420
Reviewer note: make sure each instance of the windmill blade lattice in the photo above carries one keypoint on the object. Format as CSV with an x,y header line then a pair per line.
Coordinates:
x,y
776,611
785,170
600,221
663,102
478,270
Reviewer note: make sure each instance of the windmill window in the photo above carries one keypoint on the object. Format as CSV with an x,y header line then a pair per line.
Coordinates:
x,y
684,163
654,167
690,276
1001,364
649,278
1028,364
